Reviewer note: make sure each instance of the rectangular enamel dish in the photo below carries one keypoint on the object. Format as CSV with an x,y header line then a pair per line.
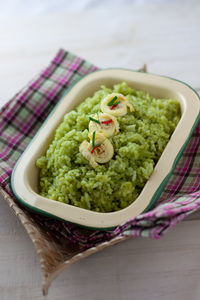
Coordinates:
x,y
25,176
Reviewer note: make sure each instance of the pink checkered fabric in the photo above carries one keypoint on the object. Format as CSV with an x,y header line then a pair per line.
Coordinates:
x,y
21,118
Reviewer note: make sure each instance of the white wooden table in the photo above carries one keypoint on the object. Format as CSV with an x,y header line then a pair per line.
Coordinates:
x,y
165,35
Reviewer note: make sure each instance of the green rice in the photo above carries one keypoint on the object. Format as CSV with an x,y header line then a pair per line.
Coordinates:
x,y
66,176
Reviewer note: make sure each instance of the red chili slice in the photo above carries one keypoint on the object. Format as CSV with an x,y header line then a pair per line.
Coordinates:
x,y
113,106
107,121
92,151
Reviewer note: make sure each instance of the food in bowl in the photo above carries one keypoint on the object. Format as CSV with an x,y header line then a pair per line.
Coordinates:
x,y
142,129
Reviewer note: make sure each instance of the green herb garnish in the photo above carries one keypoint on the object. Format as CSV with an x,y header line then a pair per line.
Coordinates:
x,y
94,120
116,103
97,145
93,139
111,102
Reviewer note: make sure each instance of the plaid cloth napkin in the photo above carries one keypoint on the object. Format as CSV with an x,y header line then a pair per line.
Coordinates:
x,y
23,115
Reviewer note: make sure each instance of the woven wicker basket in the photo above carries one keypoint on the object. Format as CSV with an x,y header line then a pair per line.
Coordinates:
x,y
54,256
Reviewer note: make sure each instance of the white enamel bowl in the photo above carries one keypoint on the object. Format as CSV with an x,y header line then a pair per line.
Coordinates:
x,y
24,180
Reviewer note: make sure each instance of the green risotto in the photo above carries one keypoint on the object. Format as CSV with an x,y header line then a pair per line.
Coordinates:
x,y
67,176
